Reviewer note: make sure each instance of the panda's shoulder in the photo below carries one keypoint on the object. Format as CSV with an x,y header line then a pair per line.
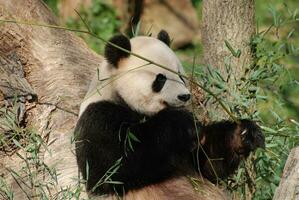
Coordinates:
x,y
107,112
103,106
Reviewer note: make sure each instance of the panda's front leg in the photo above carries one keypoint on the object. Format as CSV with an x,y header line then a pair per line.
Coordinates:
x,y
170,131
164,141
225,144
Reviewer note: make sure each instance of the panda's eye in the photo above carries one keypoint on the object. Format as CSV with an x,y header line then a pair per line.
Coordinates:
x,y
159,82
161,77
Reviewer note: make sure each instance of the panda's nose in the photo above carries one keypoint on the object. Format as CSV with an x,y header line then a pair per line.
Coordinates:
x,y
184,97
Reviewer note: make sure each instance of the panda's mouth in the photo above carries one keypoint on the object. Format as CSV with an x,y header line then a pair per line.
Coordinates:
x,y
165,103
168,105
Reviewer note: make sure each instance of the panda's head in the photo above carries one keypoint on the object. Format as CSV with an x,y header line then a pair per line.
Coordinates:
x,y
145,87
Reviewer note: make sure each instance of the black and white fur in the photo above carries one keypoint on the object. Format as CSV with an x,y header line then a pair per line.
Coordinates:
x,y
148,102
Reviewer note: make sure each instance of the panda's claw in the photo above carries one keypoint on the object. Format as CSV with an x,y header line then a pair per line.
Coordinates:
x,y
243,132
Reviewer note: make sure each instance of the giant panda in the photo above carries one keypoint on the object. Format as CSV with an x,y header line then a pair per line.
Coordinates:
x,y
135,136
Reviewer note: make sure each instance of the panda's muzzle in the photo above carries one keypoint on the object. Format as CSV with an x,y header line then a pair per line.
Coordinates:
x,y
176,105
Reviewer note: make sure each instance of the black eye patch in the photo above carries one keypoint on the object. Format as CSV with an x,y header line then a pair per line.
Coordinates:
x,y
159,83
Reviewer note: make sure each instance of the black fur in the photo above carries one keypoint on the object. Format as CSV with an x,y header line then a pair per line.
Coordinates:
x,y
164,37
165,141
162,147
159,83
113,54
226,147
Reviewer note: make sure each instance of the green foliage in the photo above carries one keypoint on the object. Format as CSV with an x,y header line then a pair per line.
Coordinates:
x,y
53,5
101,19
5,190
271,82
277,92
129,141
107,177
196,2
29,146
11,129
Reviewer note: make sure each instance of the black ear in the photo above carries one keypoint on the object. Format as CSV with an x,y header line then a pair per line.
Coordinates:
x,y
113,54
164,37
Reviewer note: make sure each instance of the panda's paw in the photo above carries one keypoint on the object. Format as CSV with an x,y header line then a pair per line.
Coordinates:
x,y
181,127
249,136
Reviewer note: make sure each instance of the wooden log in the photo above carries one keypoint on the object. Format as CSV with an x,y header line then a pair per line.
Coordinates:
x,y
289,184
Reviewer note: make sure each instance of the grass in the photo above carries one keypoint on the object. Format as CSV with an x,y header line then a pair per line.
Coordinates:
x,y
27,147
12,130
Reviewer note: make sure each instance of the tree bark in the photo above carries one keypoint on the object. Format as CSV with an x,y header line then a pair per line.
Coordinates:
x,y
227,23
289,184
55,67
231,21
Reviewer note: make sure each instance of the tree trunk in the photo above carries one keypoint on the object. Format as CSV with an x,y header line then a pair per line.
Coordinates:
x,y
51,69
231,21
289,184
227,23
228,26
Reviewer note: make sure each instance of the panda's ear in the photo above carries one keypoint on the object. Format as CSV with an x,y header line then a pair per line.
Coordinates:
x,y
164,37
113,54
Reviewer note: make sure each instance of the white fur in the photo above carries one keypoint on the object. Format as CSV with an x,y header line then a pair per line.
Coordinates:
x,y
134,83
